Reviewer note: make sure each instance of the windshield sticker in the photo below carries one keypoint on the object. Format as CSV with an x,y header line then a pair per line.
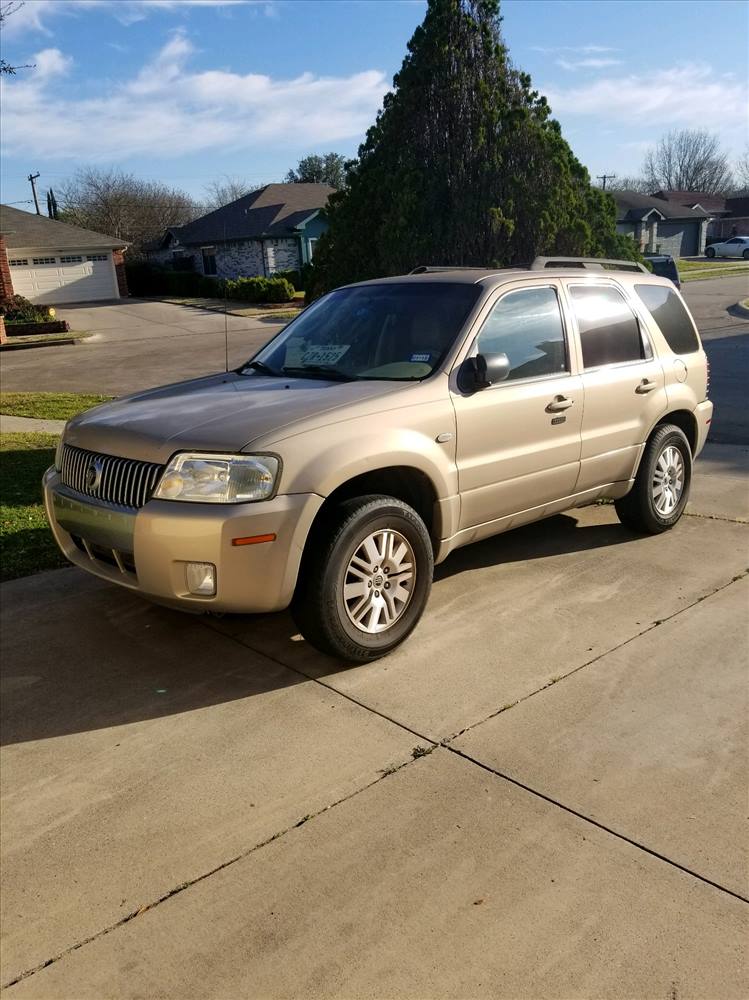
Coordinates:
x,y
324,354
421,357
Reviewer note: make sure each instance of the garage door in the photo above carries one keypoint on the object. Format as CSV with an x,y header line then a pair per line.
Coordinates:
x,y
680,239
58,278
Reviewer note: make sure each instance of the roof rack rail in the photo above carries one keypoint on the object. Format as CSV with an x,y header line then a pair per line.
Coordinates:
x,y
429,268
588,263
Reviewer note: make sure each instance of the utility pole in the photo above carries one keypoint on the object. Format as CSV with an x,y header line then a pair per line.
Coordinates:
x,y
605,177
32,178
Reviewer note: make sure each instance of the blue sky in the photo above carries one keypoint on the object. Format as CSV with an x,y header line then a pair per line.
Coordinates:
x,y
186,91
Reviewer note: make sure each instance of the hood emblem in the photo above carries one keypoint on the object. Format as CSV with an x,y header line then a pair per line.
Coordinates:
x,y
93,474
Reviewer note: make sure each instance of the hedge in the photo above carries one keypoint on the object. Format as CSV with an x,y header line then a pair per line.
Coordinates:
x,y
145,279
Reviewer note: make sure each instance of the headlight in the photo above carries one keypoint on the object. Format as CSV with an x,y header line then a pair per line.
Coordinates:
x,y
218,478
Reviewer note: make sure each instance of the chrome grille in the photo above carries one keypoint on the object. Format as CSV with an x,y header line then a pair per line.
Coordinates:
x,y
122,481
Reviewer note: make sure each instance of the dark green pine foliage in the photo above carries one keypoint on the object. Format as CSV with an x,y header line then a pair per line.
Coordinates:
x,y
464,166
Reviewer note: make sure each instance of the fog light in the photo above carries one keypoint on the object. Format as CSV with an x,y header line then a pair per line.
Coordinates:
x,y
201,578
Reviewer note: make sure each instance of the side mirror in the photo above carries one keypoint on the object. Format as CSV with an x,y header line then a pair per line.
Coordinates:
x,y
482,371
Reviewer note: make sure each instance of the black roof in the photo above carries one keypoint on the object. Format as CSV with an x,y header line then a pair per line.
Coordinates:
x,y
28,231
275,210
633,207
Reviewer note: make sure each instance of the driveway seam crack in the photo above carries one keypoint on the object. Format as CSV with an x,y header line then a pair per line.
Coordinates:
x,y
417,753
601,826
445,742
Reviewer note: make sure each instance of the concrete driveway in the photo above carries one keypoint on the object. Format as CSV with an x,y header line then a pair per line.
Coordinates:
x,y
136,344
541,795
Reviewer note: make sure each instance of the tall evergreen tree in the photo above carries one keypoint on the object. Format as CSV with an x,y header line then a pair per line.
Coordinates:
x,y
464,165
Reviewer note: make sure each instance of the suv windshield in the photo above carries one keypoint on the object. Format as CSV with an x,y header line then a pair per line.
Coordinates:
x,y
390,331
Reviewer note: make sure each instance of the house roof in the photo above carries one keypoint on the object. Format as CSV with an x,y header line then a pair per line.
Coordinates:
x,y
712,203
275,210
36,232
633,207
738,207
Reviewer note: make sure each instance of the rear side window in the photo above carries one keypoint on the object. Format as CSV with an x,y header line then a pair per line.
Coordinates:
x,y
668,311
609,331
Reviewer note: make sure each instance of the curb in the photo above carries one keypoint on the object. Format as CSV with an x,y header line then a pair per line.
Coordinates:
x,y
29,347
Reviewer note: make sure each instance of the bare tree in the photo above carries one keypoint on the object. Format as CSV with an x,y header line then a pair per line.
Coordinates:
x,y
624,182
6,9
688,160
124,206
226,190
741,174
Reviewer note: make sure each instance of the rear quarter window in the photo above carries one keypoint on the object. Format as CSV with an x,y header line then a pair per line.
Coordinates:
x,y
668,311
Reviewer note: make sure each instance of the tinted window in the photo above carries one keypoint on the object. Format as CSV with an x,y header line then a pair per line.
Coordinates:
x,y
668,311
526,326
609,331
388,331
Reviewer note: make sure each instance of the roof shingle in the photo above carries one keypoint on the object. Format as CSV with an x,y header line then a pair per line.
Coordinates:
x,y
274,210
24,230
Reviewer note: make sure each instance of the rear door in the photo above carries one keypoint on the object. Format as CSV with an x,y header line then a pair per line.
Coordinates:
x,y
623,382
518,442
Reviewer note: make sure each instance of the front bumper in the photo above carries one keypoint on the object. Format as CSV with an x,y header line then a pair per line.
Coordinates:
x,y
147,550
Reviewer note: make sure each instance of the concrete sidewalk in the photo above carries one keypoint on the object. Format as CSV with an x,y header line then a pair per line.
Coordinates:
x,y
14,425
200,807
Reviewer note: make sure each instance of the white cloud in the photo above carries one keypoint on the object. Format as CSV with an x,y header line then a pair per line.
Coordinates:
x,y
35,15
596,62
167,110
687,96
583,49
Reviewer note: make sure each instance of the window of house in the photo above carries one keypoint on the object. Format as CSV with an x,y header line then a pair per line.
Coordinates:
x,y
44,260
668,311
19,262
609,330
97,256
71,260
209,260
526,325
311,245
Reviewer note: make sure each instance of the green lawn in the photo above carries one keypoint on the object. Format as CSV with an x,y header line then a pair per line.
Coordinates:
x,y
48,405
26,543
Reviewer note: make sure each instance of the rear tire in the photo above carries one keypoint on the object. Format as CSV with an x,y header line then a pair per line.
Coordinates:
x,y
661,490
710,252
365,579
745,255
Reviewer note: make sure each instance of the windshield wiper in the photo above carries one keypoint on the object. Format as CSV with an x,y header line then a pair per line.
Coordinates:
x,y
261,368
320,370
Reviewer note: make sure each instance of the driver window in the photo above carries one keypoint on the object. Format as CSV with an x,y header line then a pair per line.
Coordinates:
x,y
526,325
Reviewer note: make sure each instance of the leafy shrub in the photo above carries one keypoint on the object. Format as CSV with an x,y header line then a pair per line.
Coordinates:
x,y
260,290
293,277
17,309
146,279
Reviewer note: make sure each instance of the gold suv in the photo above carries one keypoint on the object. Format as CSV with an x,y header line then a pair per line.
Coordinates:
x,y
390,423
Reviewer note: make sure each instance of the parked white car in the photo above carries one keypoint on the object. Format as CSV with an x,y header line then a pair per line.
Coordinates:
x,y
737,246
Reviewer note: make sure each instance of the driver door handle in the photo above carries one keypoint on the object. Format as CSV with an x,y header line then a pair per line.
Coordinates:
x,y
646,386
559,403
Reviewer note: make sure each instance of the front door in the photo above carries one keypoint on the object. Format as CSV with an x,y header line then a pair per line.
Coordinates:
x,y
518,442
624,384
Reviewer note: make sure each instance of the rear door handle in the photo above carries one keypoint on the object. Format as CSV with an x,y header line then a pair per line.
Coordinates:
x,y
646,386
559,403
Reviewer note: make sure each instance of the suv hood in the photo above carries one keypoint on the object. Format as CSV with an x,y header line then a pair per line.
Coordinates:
x,y
225,412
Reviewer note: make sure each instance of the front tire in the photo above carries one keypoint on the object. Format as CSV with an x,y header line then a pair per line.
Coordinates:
x,y
745,255
710,252
365,580
661,490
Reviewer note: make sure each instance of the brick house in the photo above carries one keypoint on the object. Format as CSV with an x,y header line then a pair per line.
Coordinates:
x,y
729,216
53,263
273,229
662,226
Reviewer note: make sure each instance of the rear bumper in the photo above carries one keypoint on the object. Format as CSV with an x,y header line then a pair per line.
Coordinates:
x,y
703,414
147,550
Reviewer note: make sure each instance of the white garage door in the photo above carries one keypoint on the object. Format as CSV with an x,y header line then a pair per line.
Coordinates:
x,y
53,279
